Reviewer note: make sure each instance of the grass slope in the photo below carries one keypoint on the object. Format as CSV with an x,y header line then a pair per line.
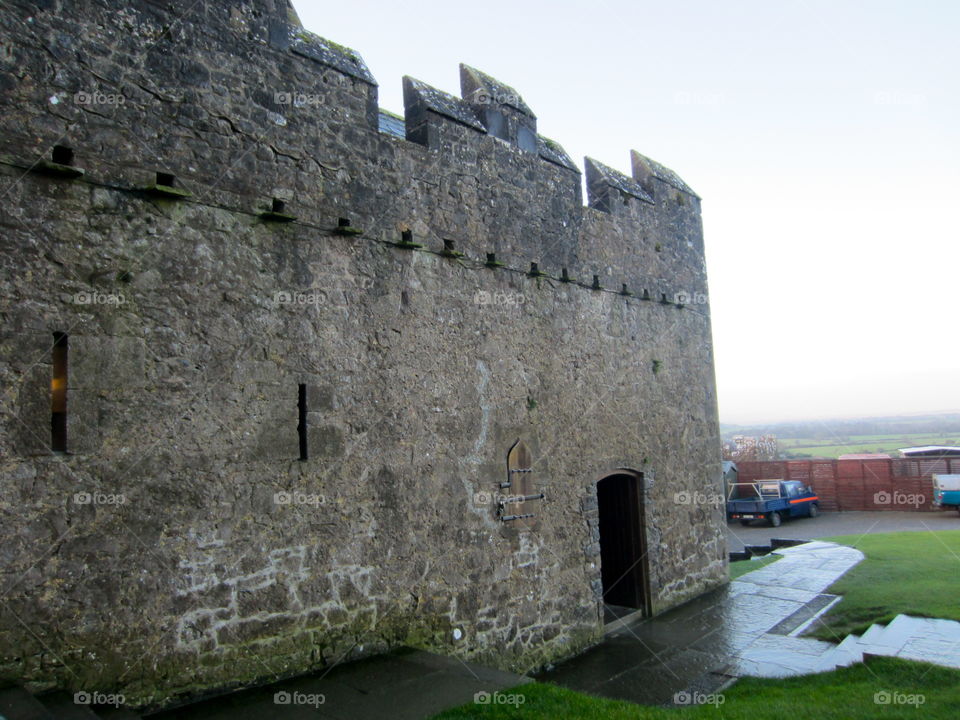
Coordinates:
x,y
917,573
847,694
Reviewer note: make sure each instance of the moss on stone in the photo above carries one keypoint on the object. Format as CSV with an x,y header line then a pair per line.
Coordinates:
x,y
48,167
404,245
279,217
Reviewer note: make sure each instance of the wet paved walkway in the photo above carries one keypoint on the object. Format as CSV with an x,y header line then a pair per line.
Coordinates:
x,y
403,685
703,645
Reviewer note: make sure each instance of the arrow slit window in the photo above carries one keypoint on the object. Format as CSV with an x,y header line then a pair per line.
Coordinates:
x,y
58,394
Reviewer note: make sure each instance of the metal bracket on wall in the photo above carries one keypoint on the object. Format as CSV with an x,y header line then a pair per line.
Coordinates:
x,y
520,498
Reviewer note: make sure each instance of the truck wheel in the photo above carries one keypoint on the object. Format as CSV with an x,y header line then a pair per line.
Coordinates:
x,y
814,510
775,519
744,522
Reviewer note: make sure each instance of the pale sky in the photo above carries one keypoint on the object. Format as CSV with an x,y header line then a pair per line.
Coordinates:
x,y
821,135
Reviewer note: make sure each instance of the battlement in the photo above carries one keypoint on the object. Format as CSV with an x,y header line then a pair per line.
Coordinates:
x,y
487,105
308,118
606,186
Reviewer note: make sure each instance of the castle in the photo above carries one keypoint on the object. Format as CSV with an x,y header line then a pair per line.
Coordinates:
x,y
290,380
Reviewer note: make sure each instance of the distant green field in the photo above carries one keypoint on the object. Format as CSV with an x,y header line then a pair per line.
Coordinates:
x,y
842,445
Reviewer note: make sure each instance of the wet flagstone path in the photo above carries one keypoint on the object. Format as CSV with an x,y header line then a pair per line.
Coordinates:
x,y
750,627
703,645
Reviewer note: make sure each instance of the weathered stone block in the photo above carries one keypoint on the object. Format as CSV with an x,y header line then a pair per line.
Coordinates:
x,y
274,598
245,631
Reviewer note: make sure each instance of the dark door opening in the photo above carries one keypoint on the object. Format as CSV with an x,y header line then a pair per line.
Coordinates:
x,y
623,560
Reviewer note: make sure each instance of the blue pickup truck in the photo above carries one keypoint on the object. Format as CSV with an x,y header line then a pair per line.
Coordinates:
x,y
946,492
771,500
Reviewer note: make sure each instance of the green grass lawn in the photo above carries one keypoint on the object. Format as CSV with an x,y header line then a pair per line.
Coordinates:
x,y
742,567
917,573
846,694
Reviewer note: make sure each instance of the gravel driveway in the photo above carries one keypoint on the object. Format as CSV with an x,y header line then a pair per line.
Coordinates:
x,y
839,523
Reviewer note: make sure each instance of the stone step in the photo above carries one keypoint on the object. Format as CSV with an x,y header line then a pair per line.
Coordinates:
x,y
17,704
932,640
894,636
777,543
848,652
872,635
833,658
938,628
928,639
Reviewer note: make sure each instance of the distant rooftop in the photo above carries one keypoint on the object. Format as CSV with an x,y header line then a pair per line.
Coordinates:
x,y
928,450
864,456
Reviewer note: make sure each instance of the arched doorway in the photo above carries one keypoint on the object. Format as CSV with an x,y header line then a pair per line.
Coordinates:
x,y
623,550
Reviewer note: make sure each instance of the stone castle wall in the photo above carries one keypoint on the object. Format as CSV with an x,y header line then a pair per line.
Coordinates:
x,y
181,543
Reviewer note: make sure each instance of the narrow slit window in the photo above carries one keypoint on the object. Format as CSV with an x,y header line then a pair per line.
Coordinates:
x,y
58,394
302,419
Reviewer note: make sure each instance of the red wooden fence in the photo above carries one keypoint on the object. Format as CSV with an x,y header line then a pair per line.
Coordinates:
x,y
874,484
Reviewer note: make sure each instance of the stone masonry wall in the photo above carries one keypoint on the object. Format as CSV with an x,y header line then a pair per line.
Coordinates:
x,y
181,543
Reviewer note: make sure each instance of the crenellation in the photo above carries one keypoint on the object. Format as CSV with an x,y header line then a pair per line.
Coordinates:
x,y
645,171
548,150
552,151
500,108
609,190
424,105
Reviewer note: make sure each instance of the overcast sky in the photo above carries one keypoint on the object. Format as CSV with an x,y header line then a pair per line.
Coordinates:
x,y
822,137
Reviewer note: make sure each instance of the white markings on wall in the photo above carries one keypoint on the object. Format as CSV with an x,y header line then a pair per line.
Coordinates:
x,y
285,568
